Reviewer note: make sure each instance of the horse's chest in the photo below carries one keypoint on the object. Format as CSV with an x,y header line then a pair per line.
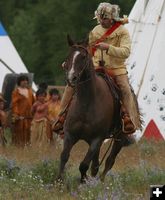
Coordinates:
x,y
80,123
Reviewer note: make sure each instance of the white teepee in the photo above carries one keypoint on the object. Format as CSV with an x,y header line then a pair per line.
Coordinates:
x,y
146,65
10,61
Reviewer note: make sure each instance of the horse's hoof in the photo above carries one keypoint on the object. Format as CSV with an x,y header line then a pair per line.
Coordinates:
x,y
94,172
84,180
59,180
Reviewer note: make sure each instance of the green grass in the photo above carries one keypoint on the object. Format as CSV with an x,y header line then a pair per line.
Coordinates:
x,y
38,182
26,174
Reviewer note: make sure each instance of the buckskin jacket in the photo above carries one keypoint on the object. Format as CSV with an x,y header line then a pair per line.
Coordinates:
x,y
21,105
119,48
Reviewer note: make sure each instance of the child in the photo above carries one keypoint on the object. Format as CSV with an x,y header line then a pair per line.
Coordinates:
x,y
54,107
54,104
41,133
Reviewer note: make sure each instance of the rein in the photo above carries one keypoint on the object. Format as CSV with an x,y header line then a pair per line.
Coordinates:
x,y
110,145
113,139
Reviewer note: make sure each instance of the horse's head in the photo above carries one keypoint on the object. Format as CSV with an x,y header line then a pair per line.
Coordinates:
x,y
77,62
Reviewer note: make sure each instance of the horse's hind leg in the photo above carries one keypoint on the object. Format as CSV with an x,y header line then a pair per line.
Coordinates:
x,y
117,145
84,165
68,144
122,141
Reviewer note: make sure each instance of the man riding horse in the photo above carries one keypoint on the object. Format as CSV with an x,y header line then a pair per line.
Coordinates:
x,y
110,45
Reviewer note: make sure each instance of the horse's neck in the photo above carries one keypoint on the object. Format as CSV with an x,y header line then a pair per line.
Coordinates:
x,y
86,90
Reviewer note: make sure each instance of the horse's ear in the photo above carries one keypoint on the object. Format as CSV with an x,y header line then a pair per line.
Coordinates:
x,y
70,41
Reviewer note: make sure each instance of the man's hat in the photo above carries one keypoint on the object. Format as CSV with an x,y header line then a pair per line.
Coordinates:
x,y
111,11
107,10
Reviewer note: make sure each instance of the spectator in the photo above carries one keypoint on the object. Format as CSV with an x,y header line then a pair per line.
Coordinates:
x,y
54,104
22,101
41,133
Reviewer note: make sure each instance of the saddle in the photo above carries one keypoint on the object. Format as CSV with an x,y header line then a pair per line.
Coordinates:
x,y
121,120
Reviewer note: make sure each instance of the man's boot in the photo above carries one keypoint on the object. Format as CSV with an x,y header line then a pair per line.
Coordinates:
x,y
127,125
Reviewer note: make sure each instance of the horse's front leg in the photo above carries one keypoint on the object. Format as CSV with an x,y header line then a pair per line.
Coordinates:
x,y
95,163
84,165
68,144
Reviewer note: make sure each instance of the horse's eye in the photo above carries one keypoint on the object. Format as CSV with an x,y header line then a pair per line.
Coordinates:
x,y
83,55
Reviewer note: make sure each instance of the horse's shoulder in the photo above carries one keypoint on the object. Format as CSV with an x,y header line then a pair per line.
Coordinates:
x,y
101,83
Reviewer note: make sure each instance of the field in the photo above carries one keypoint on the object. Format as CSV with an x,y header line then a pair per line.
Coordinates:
x,y
28,174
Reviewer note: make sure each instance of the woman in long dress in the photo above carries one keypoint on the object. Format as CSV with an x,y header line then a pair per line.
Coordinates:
x,y
22,101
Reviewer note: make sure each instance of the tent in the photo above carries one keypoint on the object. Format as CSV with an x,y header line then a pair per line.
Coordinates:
x,y
146,65
10,61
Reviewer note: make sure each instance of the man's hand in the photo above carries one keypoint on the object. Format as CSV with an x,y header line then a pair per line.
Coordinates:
x,y
102,46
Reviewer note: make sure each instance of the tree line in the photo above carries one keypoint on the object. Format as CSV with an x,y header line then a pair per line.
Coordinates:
x,y
38,29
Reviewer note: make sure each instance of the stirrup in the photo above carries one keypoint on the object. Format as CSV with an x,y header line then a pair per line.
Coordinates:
x,y
127,126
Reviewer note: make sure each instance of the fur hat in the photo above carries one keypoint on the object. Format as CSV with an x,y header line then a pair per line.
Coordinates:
x,y
107,10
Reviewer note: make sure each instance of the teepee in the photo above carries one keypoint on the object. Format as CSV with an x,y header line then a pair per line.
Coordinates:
x,y
10,61
146,65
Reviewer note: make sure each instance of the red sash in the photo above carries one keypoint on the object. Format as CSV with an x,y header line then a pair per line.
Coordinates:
x,y
107,33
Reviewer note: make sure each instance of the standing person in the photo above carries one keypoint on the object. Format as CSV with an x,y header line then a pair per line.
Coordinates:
x,y
54,104
22,101
54,107
111,46
41,133
2,121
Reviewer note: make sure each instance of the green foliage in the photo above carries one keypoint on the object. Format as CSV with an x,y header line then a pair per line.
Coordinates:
x,y
142,177
38,29
8,168
46,171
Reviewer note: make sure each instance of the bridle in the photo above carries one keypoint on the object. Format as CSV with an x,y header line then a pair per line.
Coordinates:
x,y
78,82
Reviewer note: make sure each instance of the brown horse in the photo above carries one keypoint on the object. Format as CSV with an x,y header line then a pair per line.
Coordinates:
x,y
91,113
